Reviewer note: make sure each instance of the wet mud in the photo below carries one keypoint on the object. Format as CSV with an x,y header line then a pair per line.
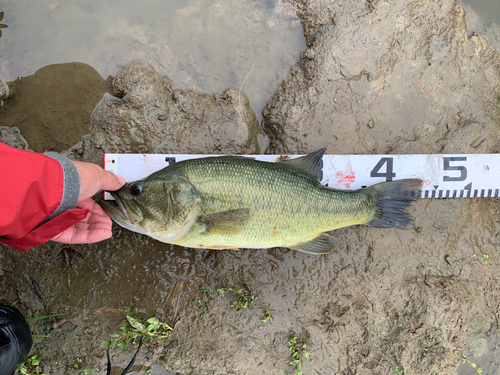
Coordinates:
x,y
377,77
52,107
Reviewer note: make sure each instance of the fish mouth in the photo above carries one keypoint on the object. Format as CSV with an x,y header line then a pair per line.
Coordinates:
x,y
120,204
116,209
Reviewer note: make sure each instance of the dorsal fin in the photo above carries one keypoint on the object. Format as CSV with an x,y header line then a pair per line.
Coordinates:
x,y
311,163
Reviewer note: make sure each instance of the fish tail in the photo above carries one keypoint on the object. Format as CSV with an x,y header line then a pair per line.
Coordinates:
x,y
392,200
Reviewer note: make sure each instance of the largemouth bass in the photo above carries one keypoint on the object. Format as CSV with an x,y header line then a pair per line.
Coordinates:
x,y
232,202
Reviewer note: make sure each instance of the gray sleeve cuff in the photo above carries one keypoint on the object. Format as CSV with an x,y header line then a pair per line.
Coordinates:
x,y
71,191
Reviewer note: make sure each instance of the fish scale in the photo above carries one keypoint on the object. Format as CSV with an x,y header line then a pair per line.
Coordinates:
x,y
244,203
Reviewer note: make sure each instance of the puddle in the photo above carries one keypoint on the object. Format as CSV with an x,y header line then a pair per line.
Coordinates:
x,y
204,45
52,107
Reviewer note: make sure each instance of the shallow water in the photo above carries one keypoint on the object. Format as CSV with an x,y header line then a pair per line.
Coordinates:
x,y
487,10
483,17
204,45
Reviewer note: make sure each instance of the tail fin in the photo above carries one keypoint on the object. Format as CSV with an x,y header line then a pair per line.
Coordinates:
x,y
393,198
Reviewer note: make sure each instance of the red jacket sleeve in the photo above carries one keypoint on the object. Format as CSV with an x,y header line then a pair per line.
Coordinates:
x,y
31,189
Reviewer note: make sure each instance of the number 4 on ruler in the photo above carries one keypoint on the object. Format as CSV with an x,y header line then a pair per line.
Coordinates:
x,y
388,169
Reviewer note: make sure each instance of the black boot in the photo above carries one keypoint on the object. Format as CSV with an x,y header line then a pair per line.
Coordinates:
x,y
15,340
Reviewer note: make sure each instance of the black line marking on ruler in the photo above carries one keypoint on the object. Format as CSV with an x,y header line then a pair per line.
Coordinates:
x,y
468,188
447,194
440,194
427,193
496,193
489,192
433,194
454,193
462,193
475,193
482,193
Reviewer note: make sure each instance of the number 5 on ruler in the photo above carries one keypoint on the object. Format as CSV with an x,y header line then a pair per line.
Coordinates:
x,y
462,169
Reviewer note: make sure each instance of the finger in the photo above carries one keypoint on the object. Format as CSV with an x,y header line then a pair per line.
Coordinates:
x,y
93,178
110,181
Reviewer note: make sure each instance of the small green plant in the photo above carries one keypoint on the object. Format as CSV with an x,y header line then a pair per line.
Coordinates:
x,y
82,368
473,365
30,367
298,353
245,298
484,258
267,314
152,329
205,290
398,370
35,318
202,306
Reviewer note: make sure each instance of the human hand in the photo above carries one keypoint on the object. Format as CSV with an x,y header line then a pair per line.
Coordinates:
x,y
97,225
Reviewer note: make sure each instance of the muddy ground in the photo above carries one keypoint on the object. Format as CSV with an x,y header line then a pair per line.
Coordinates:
x,y
377,77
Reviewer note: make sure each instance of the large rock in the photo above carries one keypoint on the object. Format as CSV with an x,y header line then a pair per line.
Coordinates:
x,y
382,77
149,116
12,137
4,90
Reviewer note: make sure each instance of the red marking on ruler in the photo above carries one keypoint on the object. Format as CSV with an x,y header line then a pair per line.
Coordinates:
x,y
345,179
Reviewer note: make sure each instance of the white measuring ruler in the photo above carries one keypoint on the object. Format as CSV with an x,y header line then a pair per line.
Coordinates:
x,y
444,176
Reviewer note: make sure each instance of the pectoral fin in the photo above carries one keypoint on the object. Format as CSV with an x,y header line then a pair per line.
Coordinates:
x,y
225,222
320,245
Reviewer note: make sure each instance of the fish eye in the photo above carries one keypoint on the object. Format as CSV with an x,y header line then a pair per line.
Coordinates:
x,y
135,189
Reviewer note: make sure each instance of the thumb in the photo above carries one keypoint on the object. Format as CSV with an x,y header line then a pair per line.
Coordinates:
x,y
93,178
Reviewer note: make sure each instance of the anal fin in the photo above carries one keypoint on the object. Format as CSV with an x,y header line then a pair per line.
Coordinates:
x,y
323,244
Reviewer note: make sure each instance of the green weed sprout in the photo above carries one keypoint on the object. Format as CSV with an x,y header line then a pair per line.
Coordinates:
x,y
30,367
398,370
473,365
245,298
267,314
298,353
152,329
203,307
83,369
